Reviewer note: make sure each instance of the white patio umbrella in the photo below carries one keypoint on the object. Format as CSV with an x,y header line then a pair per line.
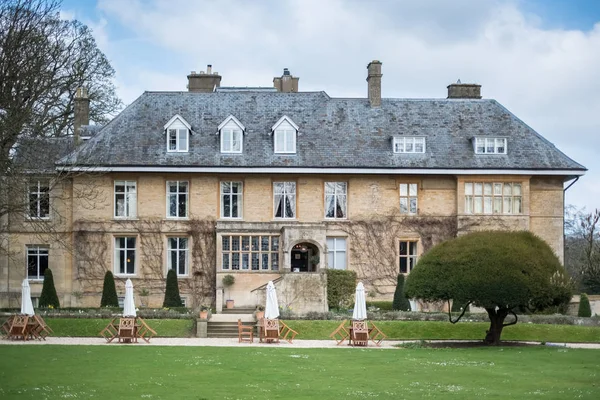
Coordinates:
x,y
272,307
26,304
360,303
129,304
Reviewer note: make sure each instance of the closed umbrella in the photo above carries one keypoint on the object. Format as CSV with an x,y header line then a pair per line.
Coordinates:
x,y
272,307
360,303
26,304
129,304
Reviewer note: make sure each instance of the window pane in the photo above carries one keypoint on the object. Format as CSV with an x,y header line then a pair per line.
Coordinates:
x,y
404,205
412,189
469,204
487,205
487,189
235,261
235,243
497,189
255,246
403,248
275,261
274,243
225,240
497,205
226,261
403,265
182,139
468,188
403,189
255,262
478,189
413,205
507,189
245,243
412,250
245,261
507,205
517,205
265,261
340,260
478,205
516,189
264,243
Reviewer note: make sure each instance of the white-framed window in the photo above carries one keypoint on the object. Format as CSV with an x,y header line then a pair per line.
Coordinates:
x,y
125,199
285,132
408,255
39,200
231,140
493,198
490,145
37,261
408,198
336,195
184,301
409,144
231,199
125,255
284,197
336,253
177,199
178,134
178,255
250,253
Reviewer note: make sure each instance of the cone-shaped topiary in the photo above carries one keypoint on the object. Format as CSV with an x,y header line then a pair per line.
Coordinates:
x,y
584,306
400,301
109,292
49,297
172,298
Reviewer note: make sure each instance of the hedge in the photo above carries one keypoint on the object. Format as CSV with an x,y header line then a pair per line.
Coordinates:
x,y
341,285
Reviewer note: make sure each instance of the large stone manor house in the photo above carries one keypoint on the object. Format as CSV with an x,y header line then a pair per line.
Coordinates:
x,y
272,183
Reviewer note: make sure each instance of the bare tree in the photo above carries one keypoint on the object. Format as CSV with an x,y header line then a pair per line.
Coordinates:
x,y
582,247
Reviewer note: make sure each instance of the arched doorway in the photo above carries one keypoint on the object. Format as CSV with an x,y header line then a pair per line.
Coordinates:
x,y
305,257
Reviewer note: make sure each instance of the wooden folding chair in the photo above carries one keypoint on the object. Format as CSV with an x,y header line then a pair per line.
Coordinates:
x,y
5,327
341,333
286,333
271,330
41,329
375,335
143,331
18,327
127,330
111,331
360,333
245,332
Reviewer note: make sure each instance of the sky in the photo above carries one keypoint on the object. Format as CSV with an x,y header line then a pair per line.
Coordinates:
x,y
538,58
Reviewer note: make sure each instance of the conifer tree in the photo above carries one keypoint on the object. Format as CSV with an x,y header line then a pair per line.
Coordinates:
x,y
109,292
400,301
584,306
172,297
49,297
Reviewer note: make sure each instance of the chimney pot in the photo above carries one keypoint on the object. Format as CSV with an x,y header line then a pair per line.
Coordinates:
x,y
209,69
374,83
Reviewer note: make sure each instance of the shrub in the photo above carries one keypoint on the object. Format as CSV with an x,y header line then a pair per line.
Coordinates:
x,y
49,297
584,306
341,285
381,305
109,292
400,301
172,297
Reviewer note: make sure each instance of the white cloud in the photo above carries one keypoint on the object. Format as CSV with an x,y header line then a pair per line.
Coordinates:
x,y
550,78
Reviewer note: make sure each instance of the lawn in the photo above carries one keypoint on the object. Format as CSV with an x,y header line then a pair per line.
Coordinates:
x,y
91,327
270,372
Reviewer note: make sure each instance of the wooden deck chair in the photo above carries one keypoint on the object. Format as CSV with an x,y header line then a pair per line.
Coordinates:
x,y
375,335
360,333
341,333
245,332
127,330
271,330
111,331
41,329
5,327
18,327
286,333
143,331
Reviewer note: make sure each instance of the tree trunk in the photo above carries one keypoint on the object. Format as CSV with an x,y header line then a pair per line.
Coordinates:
x,y
497,317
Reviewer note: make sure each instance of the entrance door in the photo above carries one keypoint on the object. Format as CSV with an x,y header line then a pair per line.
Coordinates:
x,y
304,258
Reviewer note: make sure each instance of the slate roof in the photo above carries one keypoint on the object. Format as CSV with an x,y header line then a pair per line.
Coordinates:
x,y
40,154
334,133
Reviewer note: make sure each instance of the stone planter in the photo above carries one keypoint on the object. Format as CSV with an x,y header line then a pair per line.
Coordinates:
x,y
229,303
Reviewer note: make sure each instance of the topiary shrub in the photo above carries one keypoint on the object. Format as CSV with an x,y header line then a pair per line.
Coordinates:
x,y
172,297
584,306
109,292
400,302
49,298
341,285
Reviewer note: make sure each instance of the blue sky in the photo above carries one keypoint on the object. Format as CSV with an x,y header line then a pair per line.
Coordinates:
x,y
539,58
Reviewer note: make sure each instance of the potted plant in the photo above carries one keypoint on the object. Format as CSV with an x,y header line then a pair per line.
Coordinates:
x,y
204,311
228,281
144,293
260,312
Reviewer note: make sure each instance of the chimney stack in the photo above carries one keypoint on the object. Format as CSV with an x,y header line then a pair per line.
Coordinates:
x,y
204,82
286,83
374,82
460,90
82,112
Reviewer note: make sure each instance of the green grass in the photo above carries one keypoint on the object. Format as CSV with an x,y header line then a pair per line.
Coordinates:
x,y
431,330
85,327
270,372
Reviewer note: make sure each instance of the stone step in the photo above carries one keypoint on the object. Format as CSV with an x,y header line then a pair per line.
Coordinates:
x,y
238,311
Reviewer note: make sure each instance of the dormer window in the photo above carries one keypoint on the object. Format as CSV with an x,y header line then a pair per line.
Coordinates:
x,y
285,132
178,133
231,131
490,145
409,144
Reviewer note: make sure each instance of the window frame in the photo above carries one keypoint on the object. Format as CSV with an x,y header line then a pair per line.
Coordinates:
x,y
178,250
116,259
240,201
177,194
335,195
495,197
405,141
284,195
233,132
336,250
286,127
408,197
29,252
178,123
486,147
39,184
250,251
126,198
408,256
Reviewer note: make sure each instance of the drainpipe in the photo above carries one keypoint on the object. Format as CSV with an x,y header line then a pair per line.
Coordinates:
x,y
564,235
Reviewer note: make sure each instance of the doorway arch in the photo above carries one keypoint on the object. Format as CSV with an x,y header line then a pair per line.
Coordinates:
x,y
304,257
